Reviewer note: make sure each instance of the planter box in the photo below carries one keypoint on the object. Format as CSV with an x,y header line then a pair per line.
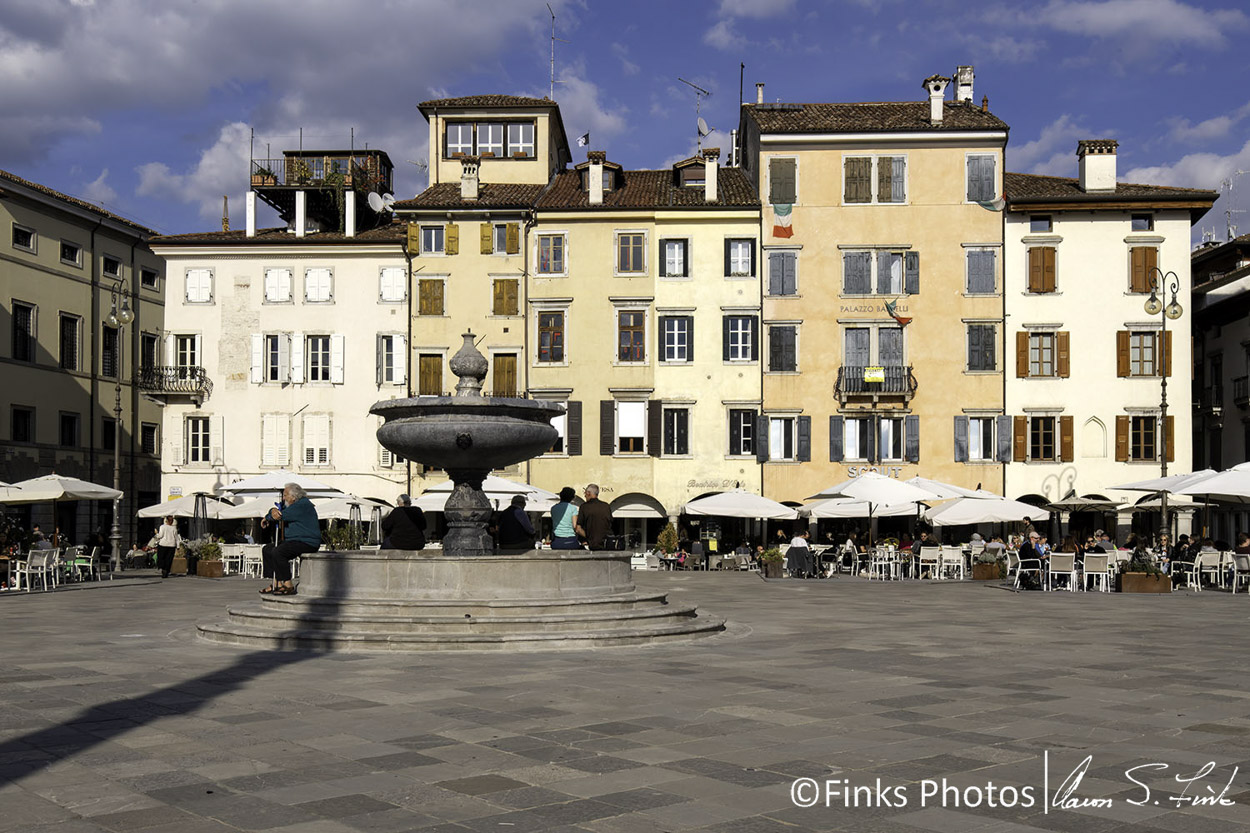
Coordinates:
x,y
771,569
210,569
985,572
179,566
1143,583
261,181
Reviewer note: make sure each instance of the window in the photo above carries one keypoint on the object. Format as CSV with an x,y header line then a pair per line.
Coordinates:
x,y
982,271
889,273
561,424
316,440
501,238
1045,353
112,267
149,278
898,273
782,275
392,360
982,344
1040,224
676,432
187,352
873,346
1042,438
147,351
740,336
430,374
783,348
1143,222
22,424
741,432
503,374
631,253
23,332
317,354
888,185
275,440
318,286
677,338
781,438
982,178
521,139
108,433
69,433
199,286
1143,438
277,358
551,254
430,296
674,258
782,181
1143,351
490,139
890,443
981,446
147,438
1042,269
1143,260
505,300
392,285
432,240
109,353
1041,354
551,337
70,325
858,439
740,258
631,334
631,427
277,286
71,253
460,139
23,238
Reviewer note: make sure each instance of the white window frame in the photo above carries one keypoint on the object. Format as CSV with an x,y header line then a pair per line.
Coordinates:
x,y
394,345
634,404
736,246
402,283
546,307
310,427
1053,335
616,253
852,429
617,310
664,271
874,180
897,430
277,296
687,318
490,145
198,429
520,144
178,340
459,148
564,254
205,274
76,260
988,451
33,248
499,238
1156,339
328,271
784,426
268,367
438,229
744,338
901,256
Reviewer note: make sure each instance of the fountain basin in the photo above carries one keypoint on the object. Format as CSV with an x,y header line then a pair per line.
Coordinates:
x,y
472,433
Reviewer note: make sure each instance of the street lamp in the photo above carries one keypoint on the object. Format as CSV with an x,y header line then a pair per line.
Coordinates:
x,y
119,315
1162,283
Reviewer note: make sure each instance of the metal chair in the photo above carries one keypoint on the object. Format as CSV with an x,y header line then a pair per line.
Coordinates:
x,y
1062,564
1017,567
1098,570
85,566
42,565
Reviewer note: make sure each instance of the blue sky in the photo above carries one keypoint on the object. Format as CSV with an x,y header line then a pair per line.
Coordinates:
x,y
147,106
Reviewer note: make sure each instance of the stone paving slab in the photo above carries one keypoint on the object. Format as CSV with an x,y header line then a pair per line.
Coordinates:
x,y
115,718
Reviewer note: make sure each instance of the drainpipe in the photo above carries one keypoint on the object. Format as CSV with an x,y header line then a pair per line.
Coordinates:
x,y
135,341
97,337
529,223
408,293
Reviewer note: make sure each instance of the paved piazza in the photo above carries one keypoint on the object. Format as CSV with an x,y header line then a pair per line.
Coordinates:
x,y
911,699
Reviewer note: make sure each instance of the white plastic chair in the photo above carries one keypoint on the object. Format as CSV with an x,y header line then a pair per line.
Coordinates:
x,y
231,558
1017,566
1098,571
952,563
930,559
40,564
253,564
1062,564
1241,571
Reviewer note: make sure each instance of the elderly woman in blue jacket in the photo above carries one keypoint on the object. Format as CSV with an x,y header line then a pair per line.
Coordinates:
x,y
301,534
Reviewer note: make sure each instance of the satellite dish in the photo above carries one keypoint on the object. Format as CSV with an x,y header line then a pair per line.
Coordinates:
x,y
388,200
376,203
704,130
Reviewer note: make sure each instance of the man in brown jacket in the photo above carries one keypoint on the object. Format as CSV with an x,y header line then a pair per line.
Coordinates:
x,y
594,519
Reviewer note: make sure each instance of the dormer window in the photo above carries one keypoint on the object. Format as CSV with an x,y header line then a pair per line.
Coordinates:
x,y
607,180
694,177
490,140
521,139
460,139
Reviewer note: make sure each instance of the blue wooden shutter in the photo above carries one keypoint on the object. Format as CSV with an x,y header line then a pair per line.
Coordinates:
x,y
857,273
789,283
835,439
911,424
911,273
883,273
961,439
804,453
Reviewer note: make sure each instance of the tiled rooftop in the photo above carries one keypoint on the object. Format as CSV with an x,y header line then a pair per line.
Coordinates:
x,y
868,117
1030,187
95,209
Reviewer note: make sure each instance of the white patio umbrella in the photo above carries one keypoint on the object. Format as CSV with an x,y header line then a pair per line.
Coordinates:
x,y
637,506
986,508
943,491
257,507
877,489
183,507
1231,486
740,504
846,507
1073,503
52,488
498,490
340,508
273,481
1167,484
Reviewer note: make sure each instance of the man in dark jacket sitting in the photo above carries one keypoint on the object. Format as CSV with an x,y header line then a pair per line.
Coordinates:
x,y
515,530
404,527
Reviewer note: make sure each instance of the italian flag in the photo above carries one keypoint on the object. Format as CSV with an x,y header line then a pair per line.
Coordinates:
x,y
781,221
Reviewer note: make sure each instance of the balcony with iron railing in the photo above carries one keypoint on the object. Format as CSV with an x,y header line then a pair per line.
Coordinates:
x,y
1209,399
166,382
1241,393
357,172
876,381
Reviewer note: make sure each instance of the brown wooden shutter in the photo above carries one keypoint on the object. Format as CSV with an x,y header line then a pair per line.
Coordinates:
x,y
511,292
430,380
573,429
1035,270
607,427
1063,365
514,238
1143,261
1020,438
487,246
1152,262
1065,439
1167,354
655,427
452,239
1121,438
499,297
423,298
1022,354
1169,430
1122,365
505,374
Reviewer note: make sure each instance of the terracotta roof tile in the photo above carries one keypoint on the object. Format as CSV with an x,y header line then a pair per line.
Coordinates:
x,y
95,209
1033,187
650,190
487,101
868,117
393,233
490,195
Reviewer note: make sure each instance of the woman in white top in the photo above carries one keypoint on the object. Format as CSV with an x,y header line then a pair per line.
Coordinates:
x,y
167,540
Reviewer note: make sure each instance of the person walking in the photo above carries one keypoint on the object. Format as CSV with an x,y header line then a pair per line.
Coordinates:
x,y
563,514
167,541
404,527
297,518
594,518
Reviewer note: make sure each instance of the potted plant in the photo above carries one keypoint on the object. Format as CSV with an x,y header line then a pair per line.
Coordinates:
x,y
179,565
988,567
262,176
667,540
770,563
342,537
1140,574
209,563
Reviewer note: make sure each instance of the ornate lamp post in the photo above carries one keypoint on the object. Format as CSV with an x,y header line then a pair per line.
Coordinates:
x,y
1161,284
119,316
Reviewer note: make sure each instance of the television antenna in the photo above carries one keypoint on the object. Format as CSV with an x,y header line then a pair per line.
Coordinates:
x,y
552,94
1229,211
699,95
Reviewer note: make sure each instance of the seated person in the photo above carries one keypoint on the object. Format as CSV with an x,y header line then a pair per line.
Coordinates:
x,y
404,527
515,530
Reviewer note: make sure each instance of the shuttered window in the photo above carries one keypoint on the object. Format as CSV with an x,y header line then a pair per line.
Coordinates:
x,y
857,179
982,271
781,181
430,296
982,344
739,258
433,240
740,338
197,439
891,179
783,348
781,273
317,355
391,284
1041,354
505,300
199,286
1042,269
318,286
1143,260
504,374
392,360
674,262
631,335
981,178
889,273
677,338
631,253
631,427
1042,438
277,286
316,440
857,273
551,254
741,432
429,374
275,440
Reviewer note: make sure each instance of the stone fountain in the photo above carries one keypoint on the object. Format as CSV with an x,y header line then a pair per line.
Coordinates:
x,y
464,596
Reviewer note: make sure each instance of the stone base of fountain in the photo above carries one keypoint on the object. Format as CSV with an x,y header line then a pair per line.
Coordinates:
x,y
428,601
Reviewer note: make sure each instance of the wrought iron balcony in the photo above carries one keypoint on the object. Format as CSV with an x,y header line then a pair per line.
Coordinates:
x,y
876,381
168,382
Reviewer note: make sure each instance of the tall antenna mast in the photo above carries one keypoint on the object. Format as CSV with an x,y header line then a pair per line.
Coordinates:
x,y
699,94
1229,211
552,94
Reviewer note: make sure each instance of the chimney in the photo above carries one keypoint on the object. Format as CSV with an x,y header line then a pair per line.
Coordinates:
x,y
594,176
759,93
985,104
301,212
249,202
468,178
225,212
1097,164
963,84
936,85
349,213
710,157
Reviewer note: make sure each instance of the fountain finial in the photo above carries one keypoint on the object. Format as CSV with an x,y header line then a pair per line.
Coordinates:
x,y
470,366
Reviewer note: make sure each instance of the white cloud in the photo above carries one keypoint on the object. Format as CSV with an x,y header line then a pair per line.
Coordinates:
x,y
100,192
220,170
754,8
722,36
622,52
1053,151
582,109
1153,21
1217,127
1194,170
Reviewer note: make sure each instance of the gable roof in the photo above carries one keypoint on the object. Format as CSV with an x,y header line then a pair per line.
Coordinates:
x,y
74,201
655,190
491,101
1058,191
869,117
490,195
